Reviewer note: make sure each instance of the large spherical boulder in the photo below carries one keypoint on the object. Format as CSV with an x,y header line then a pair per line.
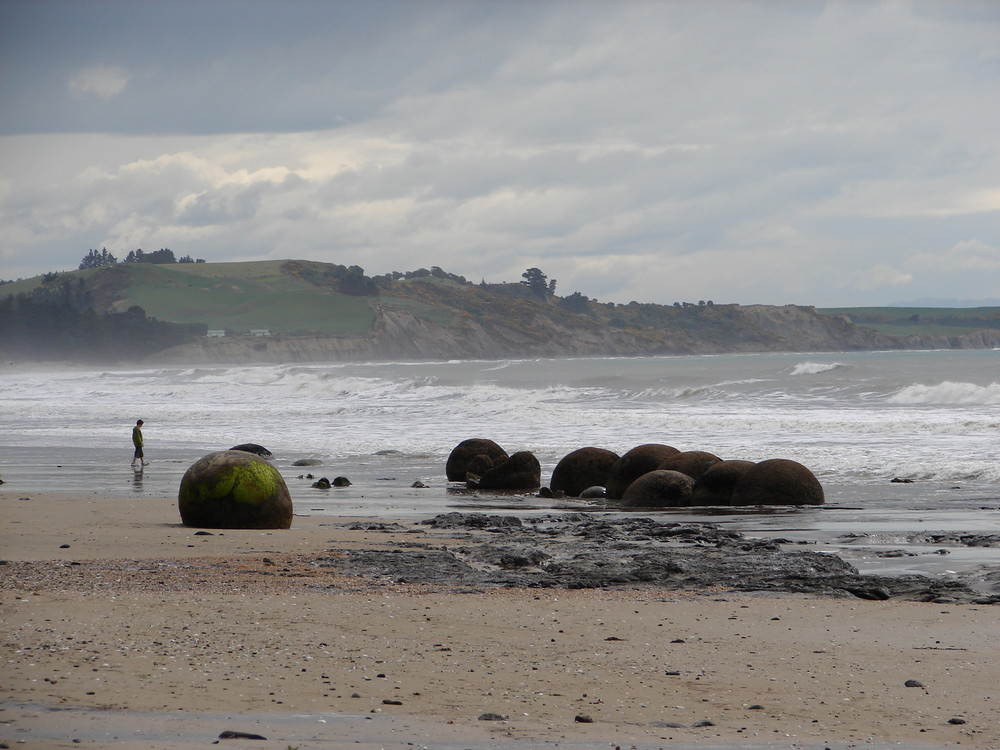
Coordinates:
x,y
583,468
659,489
778,481
458,461
234,490
633,464
692,463
519,472
715,486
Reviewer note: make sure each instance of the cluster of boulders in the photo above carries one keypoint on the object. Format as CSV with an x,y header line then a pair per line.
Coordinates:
x,y
647,476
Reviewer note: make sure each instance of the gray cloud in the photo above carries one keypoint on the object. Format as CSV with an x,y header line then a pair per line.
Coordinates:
x,y
830,153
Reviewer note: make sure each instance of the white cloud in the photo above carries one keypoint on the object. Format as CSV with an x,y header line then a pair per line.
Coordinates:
x,y
975,255
967,255
102,81
815,152
879,276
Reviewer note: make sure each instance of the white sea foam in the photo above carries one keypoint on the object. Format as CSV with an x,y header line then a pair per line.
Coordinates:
x,y
815,368
857,425
948,392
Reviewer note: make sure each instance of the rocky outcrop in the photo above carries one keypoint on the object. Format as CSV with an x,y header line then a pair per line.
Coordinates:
x,y
576,551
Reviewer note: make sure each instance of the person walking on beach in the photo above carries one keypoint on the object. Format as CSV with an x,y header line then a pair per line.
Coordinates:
x,y
138,442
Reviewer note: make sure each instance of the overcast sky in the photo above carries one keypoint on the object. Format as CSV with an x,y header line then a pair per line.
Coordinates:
x,y
827,153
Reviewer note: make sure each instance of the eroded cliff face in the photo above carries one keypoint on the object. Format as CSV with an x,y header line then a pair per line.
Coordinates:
x,y
399,335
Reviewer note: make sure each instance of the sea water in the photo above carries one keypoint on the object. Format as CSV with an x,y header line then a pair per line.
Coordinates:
x,y
857,420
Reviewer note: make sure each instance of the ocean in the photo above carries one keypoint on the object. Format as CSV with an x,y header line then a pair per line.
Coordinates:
x,y
857,420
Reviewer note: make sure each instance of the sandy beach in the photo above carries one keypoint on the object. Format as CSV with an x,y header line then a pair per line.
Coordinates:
x,y
123,628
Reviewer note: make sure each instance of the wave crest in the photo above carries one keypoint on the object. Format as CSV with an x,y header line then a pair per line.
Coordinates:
x,y
814,368
948,392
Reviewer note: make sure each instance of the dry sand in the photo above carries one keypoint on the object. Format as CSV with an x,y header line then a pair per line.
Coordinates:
x,y
123,628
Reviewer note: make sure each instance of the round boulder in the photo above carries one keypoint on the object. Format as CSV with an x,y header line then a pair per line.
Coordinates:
x,y
659,489
583,468
458,461
715,486
633,464
519,472
778,481
692,463
234,490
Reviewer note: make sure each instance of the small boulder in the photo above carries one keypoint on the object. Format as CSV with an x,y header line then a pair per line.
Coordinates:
x,y
715,486
633,464
583,468
234,490
519,472
307,462
659,489
457,466
778,481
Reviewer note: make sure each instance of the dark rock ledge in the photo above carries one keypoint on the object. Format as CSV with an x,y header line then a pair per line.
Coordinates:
x,y
573,551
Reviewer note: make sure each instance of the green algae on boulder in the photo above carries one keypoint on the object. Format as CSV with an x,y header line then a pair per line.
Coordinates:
x,y
234,490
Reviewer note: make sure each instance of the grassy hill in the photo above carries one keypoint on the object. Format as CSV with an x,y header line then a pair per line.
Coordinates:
x,y
237,297
921,321
436,314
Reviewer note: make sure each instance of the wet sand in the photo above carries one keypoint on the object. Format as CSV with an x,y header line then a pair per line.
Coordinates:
x,y
123,628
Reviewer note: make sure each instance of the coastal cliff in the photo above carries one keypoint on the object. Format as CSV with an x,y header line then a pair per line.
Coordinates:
x,y
399,334
305,311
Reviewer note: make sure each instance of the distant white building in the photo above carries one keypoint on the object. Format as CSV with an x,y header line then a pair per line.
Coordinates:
x,y
260,332
215,334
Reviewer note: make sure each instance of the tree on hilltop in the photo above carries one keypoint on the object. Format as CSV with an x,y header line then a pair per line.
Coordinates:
x,y
538,283
163,255
576,303
94,259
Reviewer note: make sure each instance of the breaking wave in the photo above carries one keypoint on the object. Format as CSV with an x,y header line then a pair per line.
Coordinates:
x,y
814,368
948,392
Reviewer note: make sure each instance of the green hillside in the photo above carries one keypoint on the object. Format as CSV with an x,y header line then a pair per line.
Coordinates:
x,y
921,321
237,297
422,313
242,297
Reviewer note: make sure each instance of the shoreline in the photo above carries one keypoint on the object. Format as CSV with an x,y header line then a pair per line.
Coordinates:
x,y
144,620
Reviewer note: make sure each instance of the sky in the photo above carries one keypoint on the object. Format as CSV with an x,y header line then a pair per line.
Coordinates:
x,y
752,151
